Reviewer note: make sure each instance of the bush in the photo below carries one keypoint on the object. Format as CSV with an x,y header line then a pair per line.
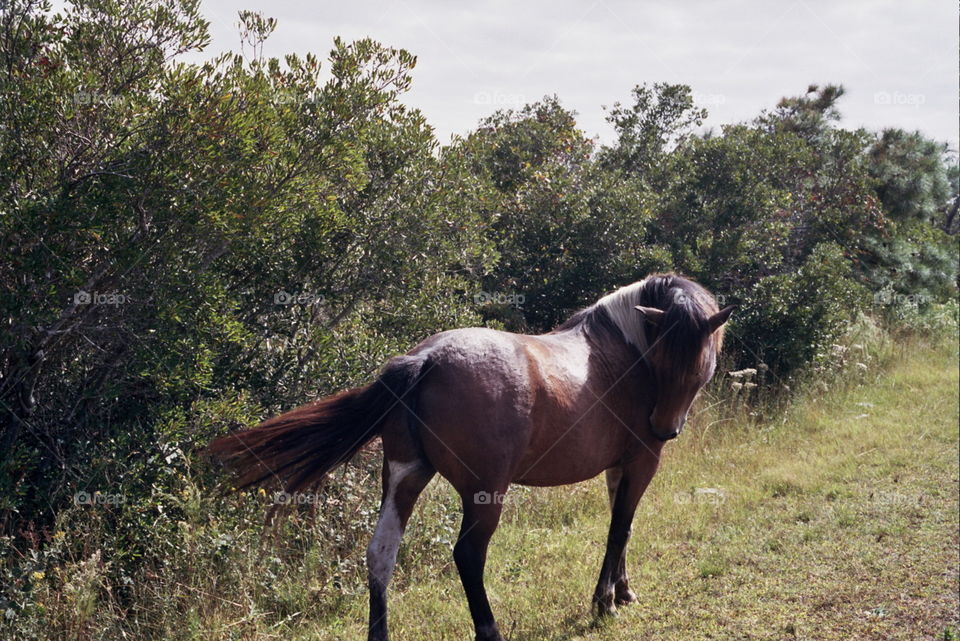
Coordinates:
x,y
786,320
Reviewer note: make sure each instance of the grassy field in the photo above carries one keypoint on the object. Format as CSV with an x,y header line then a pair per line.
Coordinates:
x,y
836,520
839,522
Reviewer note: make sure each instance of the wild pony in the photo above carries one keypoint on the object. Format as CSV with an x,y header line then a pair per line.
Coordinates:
x,y
601,393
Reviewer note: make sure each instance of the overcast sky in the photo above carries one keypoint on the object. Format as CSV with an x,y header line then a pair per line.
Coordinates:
x,y
898,60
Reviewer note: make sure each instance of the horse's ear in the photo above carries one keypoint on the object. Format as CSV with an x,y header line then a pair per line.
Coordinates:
x,y
652,314
720,318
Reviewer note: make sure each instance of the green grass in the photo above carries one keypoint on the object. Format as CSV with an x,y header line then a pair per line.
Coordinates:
x,y
830,525
835,520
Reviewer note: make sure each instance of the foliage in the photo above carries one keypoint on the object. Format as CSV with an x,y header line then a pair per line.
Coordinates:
x,y
206,232
189,248
661,117
788,318
564,229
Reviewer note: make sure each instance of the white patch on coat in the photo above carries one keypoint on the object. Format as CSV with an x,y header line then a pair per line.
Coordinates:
x,y
569,364
382,551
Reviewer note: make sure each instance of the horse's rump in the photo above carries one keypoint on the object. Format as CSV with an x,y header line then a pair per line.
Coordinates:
x,y
298,448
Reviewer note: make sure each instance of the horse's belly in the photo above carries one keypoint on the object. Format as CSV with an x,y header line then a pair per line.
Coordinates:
x,y
570,455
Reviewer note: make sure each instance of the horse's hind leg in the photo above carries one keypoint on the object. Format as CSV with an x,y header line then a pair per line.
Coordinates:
x,y
481,514
402,484
634,477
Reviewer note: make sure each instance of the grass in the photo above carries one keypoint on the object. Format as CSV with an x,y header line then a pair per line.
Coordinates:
x,y
838,522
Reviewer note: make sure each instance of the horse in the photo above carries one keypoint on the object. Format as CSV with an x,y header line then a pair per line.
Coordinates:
x,y
603,392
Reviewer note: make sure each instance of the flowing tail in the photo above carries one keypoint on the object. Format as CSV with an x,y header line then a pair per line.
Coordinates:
x,y
297,449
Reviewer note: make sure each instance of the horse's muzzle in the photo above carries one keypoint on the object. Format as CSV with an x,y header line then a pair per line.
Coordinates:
x,y
665,438
671,428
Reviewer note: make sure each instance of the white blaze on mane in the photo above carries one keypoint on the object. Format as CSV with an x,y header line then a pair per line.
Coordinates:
x,y
621,304
621,308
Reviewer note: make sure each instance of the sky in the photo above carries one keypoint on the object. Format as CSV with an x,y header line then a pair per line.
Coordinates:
x,y
898,60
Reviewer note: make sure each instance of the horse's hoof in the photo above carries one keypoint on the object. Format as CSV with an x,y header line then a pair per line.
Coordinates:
x,y
604,614
626,597
489,635
605,607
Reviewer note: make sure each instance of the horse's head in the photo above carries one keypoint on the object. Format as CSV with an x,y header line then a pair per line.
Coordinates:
x,y
684,339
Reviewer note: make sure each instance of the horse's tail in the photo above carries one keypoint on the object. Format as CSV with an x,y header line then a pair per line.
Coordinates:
x,y
297,449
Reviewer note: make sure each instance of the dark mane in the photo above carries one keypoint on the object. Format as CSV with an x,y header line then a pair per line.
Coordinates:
x,y
578,317
687,310
593,320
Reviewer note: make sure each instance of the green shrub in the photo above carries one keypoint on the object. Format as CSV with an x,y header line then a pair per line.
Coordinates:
x,y
786,320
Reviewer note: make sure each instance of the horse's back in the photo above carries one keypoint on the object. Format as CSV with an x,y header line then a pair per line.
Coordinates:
x,y
515,407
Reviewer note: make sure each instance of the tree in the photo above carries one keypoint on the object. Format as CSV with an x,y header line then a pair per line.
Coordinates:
x,y
565,230
237,229
661,116
915,255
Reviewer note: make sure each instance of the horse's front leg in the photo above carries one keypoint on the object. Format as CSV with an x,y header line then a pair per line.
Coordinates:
x,y
623,594
626,485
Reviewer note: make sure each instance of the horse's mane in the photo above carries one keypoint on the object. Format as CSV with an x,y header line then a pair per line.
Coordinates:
x,y
687,308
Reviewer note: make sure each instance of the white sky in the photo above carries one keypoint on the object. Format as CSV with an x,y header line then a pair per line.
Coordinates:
x,y
897,59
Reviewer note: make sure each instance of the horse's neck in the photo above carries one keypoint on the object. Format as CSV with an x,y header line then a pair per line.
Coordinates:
x,y
614,365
